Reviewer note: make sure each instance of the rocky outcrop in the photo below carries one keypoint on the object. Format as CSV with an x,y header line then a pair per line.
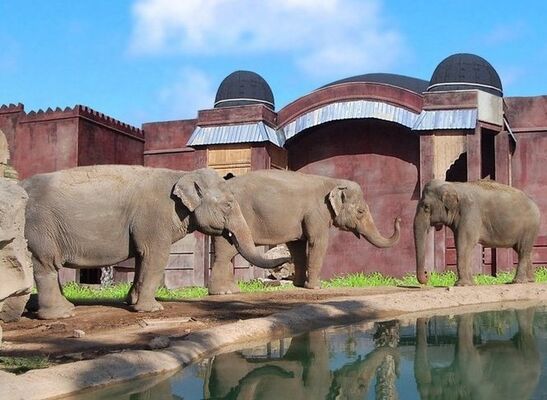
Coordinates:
x,y
284,271
15,262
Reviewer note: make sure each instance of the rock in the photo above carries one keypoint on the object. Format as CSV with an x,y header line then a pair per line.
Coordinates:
x,y
15,261
78,333
284,271
159,342
13,308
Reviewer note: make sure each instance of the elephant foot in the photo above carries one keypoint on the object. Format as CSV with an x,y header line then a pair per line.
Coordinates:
x,y
149,306
219,288
464,282
521,280
312,285
56,312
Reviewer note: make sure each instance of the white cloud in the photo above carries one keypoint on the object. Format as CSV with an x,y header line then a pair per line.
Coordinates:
x,y
192,90
319,36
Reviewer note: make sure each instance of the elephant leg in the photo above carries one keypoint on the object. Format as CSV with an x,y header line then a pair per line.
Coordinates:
x,y
525,268
222,280
299,257
464,247
151,266
51,302
317,247
133,295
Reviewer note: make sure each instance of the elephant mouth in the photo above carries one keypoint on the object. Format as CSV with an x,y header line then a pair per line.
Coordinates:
x,y
438,227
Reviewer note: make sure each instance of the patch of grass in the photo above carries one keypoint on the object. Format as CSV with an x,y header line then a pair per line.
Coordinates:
x,y
82,293
193,292
19,365
541,275
256,285
359,279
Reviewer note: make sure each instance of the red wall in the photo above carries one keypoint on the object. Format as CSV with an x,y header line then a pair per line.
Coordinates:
x,y
528,119
383,158
98,144
165,145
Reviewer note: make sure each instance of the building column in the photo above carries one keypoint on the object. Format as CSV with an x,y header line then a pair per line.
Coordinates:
x,y
504,257
427,158
473,174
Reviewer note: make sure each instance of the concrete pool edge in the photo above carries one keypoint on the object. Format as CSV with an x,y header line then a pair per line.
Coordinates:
x,y
67,379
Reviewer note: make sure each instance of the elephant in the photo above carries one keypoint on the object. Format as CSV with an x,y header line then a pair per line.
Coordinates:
x,y
303,372
88,217
483,211
297,209
494,370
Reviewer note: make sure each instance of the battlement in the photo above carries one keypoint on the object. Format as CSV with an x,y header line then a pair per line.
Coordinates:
x,y
78,111
11,108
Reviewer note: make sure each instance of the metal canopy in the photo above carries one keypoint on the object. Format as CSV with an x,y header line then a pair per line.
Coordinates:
x,y
446,119
350,110
256,132
242,133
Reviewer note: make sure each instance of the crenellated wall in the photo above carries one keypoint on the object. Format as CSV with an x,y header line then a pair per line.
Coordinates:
x,y
51,140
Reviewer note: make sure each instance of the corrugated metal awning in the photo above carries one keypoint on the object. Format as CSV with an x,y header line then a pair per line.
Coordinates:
x,y
350,110
242,133
446,119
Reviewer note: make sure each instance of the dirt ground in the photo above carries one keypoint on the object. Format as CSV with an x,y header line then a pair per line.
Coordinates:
x,y
111,327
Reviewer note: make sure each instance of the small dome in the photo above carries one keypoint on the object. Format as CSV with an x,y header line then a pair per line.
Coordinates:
x,y
402,81
242,88
465,71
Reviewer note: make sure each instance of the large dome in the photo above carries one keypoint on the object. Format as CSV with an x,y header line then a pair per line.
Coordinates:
x,y
242,88
465,71
402,81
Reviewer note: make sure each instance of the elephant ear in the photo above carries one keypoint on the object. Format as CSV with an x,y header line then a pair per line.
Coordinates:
x,y
449,197
189,191
337,197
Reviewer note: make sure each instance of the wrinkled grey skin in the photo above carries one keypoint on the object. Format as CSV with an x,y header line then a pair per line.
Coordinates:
x,y
484,212
297,209
491,371
98,216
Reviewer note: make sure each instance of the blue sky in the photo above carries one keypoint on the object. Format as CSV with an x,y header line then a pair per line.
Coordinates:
x,y
153,60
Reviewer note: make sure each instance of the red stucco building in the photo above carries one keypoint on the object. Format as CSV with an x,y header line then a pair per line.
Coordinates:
x,y
390,133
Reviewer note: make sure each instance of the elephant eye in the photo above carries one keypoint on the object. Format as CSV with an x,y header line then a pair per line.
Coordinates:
x,y
360,212
427,208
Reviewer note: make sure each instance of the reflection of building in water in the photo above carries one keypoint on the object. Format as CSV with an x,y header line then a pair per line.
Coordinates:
x,y
390,133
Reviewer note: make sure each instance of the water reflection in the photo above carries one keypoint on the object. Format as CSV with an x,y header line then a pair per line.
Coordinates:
x,y
470,356
480,369
503,369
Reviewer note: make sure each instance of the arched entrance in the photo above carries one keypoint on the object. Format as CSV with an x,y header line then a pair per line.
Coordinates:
x,y
383,157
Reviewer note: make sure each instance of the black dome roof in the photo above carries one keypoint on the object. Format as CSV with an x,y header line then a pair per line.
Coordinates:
x,y
465,71
402,81
242,88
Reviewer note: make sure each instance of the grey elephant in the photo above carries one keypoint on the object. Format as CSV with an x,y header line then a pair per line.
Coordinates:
x,y
297,209
97,216
484,212
497,369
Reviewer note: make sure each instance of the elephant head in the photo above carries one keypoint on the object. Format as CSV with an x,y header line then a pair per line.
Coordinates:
x,y
352,214
438,206
214,211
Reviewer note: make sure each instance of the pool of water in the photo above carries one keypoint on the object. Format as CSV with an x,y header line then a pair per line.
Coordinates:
x,y
489,355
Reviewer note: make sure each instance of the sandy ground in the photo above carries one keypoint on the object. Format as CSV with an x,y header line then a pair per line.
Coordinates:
x,y
111,327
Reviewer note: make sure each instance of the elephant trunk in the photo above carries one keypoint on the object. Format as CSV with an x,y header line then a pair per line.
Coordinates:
x,y
421,228
370,232
244,243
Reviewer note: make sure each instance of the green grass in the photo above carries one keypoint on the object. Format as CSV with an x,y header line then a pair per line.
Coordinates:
x,y
19,365
82,293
